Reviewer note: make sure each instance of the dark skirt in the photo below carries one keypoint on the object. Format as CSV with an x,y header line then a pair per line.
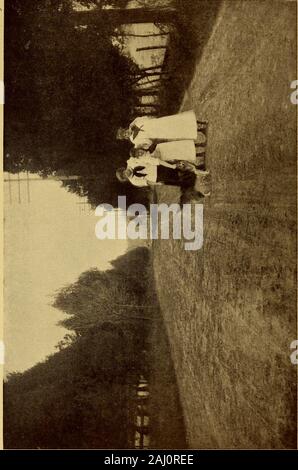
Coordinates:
x,y
173,176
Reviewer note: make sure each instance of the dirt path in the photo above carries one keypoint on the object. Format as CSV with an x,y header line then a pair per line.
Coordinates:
x,y
230,308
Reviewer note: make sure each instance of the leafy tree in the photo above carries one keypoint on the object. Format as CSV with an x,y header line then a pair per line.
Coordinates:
x,y
78,398
68,90
83,395
117,295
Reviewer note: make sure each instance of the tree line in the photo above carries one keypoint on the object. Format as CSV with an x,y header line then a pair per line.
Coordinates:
x,y
83,395
68,90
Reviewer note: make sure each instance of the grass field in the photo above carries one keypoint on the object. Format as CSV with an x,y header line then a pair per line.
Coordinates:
x,y
230,308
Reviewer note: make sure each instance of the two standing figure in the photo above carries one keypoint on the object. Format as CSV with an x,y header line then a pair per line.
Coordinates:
x,y
164,151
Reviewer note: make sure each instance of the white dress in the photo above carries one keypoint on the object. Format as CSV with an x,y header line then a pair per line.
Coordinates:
x,y
176,150
145,130
150,170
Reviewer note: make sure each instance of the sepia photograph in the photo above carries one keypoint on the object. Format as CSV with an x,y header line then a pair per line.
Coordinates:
x,y
150,225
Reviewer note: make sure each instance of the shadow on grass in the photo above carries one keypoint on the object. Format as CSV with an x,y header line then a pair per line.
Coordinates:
x,y
196,19
167,421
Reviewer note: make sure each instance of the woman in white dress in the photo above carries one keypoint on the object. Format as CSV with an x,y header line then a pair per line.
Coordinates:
x,y
147,171
169,151
183,166
145,130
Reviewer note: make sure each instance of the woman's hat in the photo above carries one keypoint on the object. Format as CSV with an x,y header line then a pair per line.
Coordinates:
x,y
122,134
120,174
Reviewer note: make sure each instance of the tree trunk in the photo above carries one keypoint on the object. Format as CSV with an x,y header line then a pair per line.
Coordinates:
x,y
149,82
145,112
116,16
151,105
150,48
148,75
153,67
124,35
146,92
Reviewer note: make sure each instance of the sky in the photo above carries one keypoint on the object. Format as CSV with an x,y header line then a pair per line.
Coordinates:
x,y
49,242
